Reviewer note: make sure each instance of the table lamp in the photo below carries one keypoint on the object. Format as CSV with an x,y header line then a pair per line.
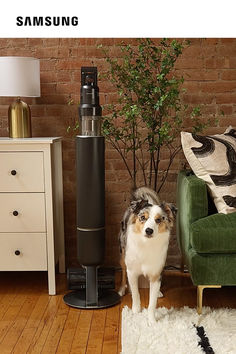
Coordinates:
x,y
19,77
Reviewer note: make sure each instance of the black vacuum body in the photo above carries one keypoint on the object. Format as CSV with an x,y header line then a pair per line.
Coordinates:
x,y
90,173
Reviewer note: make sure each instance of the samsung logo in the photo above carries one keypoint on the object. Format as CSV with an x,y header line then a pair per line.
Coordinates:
x,y
47,21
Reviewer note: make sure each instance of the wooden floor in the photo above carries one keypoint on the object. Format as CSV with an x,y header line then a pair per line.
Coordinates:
x,y
33,322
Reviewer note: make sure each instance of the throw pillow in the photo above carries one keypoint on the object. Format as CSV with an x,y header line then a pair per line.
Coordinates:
x,y
213,159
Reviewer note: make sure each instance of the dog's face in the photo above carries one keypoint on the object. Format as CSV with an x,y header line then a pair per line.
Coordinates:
x,y
152,220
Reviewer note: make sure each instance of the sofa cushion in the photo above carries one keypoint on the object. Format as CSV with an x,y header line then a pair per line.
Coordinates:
x,y
214,234
213,159
213,269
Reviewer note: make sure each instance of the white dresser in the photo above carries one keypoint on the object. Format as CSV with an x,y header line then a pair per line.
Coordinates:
x,y
31,206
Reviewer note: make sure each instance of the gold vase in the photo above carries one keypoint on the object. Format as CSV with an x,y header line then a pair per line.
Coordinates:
x,y
19,120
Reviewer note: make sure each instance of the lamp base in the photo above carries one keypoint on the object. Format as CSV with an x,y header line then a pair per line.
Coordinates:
x,y
19,120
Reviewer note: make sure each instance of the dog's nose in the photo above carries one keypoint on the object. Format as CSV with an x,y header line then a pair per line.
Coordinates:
x,y
149,231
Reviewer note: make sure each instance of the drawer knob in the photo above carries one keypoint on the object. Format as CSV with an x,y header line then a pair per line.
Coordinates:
x,y
15,213
17,252
13,172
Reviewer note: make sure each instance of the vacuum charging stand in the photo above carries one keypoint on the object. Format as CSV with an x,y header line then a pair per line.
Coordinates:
x,y
91,297
90,173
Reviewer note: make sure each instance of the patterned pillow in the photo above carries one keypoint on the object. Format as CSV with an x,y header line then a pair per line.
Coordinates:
x,y
213,159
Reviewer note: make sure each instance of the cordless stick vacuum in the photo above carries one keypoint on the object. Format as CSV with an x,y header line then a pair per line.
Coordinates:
x,y
90,171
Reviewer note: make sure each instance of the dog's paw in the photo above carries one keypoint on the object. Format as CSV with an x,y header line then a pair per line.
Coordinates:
x,y
136,308
151,320
160,294
121,291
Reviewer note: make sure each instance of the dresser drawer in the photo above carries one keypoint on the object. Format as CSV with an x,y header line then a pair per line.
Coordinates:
x,y
23,251
22,212
21,172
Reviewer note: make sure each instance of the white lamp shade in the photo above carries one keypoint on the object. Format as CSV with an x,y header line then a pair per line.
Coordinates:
x,y
19,77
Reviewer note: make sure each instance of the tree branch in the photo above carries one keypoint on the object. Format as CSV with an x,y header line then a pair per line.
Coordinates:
x,y
171,159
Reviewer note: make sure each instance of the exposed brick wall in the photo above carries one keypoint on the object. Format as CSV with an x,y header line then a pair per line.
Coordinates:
x,y
209,69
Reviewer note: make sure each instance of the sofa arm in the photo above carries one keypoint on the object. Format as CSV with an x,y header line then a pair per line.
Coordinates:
x,y
192,204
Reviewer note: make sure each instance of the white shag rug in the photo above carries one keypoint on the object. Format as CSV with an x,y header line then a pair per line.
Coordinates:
x,y
176,331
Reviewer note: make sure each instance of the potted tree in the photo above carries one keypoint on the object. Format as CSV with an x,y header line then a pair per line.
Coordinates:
x,y
149,114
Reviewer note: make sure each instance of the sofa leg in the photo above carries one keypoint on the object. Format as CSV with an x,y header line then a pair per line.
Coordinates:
x,y
200,289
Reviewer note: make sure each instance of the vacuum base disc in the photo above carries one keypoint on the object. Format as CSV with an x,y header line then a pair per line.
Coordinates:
x,y
77,299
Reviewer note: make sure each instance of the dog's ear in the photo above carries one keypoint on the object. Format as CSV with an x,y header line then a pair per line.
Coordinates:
x,y
170,211
173,209
137,205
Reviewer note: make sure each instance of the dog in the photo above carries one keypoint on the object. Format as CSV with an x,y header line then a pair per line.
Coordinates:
x,y
144,239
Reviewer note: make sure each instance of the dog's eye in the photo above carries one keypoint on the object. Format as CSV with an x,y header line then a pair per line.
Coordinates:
x,y
158,220
142,218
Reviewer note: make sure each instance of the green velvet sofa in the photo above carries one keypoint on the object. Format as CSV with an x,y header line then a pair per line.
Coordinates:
x,y
207,239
